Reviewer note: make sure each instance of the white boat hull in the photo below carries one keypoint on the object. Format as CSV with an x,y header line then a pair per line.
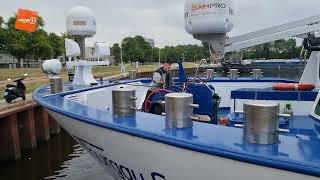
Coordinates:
x,y
129,157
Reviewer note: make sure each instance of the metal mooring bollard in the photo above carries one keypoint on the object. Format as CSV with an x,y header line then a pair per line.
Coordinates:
x,y
234,74
256,74
261,122
124,102
179,108
132,74
56,85
210,74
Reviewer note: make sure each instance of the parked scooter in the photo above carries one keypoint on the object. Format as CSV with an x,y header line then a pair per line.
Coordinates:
x,y
13,92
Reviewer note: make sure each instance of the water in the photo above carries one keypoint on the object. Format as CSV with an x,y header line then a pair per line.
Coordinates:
x,y
63,159
60,158
81,166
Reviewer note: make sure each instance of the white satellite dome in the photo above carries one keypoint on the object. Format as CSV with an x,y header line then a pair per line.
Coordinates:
x,y
52,66
208,16
81,22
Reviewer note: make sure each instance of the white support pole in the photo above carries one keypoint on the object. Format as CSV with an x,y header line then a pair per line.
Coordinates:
x,y
123,70
82,44
137,66
183,54
159,57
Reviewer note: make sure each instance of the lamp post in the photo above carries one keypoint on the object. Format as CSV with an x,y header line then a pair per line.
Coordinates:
x,y
121,58
194,58
183,55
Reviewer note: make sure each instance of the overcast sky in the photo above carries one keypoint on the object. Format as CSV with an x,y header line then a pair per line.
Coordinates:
x,y
161,20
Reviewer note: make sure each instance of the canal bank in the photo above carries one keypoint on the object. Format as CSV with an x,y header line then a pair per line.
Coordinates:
x,y
24,125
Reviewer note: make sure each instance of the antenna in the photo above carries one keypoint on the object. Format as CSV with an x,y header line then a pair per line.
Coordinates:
x,y
212,20
81,24
209,21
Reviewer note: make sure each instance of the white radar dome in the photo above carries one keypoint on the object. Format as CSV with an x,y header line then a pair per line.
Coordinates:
x,y
81,22
101,50
72,48
52,66
208,16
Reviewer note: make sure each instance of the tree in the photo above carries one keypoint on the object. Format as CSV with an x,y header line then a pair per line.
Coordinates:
x,y
263,51
40,23
205,50
4,37
116,52
144,48
40,45
291,49
11,23
127,46
26,45
1,21
155,54
57,44
136,49
190,53
280,49
19,44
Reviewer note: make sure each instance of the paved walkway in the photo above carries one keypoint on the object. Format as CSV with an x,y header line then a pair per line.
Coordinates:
x,y
18,101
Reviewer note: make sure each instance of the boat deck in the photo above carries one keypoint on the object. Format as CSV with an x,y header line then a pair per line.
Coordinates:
x,y
297,150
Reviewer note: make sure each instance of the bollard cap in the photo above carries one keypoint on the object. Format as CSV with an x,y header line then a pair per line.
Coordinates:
x,y
123,89
261,103
179,95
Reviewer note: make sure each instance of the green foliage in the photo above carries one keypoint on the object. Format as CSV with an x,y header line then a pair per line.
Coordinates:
x,y
137,49
18,44
26,45
65,36
11,23
115,51
57,44
41,23
40,45
1,21
280,49
155,54
188,53
4,39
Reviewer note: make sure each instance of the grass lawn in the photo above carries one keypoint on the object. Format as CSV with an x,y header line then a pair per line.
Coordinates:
x,y
37,78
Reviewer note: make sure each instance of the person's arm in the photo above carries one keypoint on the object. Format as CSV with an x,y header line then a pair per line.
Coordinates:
x,y
157,79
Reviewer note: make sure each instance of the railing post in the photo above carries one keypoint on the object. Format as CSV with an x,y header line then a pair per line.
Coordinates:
x,y
9,138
